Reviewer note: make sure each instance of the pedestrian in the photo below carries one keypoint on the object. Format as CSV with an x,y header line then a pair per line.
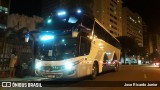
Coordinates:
x,y
13,62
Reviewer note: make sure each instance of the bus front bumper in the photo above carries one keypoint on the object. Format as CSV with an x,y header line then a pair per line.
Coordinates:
x,y
57,74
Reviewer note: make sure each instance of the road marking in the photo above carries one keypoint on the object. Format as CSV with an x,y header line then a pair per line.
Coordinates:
x,y
145,76
143,71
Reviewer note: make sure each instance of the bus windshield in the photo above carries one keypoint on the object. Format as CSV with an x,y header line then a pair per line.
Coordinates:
x,y
61,23
60,48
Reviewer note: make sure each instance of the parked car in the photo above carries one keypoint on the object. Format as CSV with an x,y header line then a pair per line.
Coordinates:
x,y
157,62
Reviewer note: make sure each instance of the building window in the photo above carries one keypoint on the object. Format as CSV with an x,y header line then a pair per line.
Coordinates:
x,y
115,33
115,22
139,21
112,21
111,4
111,10
114,27
115,17
111,31
114,2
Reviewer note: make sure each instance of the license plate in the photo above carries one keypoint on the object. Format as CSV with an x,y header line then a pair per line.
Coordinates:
x,y
48,71
51,76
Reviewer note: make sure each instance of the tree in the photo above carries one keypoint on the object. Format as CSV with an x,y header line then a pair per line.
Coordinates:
x,y
154,55
142,51
129,46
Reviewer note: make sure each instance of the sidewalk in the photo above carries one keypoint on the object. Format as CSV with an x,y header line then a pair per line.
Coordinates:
x,y
26,78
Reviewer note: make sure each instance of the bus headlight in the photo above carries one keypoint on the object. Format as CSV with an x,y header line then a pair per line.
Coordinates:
x,y
68,65
38,65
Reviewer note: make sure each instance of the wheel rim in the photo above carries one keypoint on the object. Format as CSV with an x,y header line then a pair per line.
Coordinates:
x,y
94,70
116,67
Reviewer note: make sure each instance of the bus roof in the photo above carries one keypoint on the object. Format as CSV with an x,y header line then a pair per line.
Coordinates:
x,y
105,28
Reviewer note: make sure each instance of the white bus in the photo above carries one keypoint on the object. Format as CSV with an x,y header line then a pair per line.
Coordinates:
x,y
75,47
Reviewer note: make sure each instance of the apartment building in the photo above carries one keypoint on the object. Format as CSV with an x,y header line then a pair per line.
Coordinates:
x,y
132,25
109,13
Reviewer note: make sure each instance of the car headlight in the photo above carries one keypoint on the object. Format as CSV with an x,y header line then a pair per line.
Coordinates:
x,y
157,64
38,65
68,65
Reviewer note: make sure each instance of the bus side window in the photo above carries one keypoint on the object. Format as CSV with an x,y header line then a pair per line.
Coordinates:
x,y
105,59
85,46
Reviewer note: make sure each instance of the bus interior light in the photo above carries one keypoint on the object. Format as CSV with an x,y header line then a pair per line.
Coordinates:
x,y
72,20
100,44
101,47
61,13
47,37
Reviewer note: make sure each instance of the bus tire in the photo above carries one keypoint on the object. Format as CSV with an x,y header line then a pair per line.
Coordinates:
x,y
94,71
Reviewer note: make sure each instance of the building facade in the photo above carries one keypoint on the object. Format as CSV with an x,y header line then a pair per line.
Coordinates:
x,y
109,13
19,21
155,39
154,42
132,25
24,50
151,42
158,43
4,11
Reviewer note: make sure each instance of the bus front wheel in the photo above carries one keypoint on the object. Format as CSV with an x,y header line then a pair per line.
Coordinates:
x,y
94,71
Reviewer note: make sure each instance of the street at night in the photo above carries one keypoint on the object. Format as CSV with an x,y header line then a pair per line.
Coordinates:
x,y
132,73
126,73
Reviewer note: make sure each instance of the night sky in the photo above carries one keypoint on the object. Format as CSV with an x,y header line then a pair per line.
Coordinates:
x,y
148,9
26,7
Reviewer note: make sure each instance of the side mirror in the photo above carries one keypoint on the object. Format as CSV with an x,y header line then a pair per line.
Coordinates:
x,y
27,36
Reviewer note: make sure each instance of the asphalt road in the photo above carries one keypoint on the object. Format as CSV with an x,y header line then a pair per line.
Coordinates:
x,y
138,74
132,73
